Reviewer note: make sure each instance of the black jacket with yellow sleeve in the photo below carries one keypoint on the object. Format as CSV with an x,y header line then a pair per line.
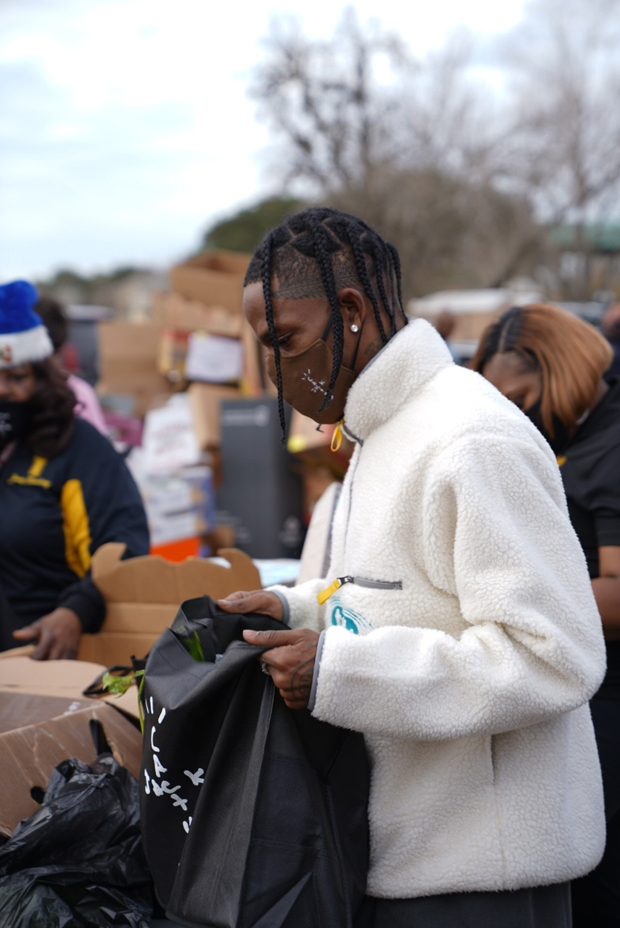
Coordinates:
x,y
54,514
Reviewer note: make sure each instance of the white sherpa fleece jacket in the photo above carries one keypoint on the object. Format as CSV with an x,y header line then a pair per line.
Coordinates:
x,y
469,642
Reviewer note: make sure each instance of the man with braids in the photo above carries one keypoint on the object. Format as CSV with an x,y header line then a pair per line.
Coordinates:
x,y
456,627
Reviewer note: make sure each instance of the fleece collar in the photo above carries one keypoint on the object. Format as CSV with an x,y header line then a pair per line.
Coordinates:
x,y
394,376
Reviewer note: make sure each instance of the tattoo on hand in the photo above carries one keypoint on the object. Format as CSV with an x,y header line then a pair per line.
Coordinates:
x,y
301,681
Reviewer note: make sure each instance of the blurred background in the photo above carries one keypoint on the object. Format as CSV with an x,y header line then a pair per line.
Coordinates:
x,y
484,139
146,147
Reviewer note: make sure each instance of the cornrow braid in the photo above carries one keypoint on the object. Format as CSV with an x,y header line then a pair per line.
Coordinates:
x,y
382,292
395,264
329,282
393,297
265,269
362,270
346,251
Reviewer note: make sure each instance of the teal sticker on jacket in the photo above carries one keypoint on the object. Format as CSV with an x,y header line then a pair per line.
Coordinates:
x,y
347,618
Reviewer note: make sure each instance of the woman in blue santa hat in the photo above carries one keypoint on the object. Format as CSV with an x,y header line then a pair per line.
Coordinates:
x,y
64,491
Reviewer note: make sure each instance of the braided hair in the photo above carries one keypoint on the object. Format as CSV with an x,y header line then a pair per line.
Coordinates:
x,y
348,252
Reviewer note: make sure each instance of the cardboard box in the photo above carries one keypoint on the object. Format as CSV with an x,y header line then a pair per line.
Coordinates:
x,y
313,447
127,349
143,595
205,401
128,357
215,279
61,682
28,754
171,310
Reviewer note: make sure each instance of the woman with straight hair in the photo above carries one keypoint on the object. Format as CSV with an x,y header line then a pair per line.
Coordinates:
x,y
456,626
551,364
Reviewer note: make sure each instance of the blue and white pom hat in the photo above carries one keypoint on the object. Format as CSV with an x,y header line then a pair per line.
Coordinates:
x,y
23,337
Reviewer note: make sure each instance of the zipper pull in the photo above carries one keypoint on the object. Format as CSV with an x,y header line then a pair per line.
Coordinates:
x,y
331,589
337,436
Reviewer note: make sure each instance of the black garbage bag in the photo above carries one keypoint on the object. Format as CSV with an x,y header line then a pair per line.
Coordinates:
x,y
78,861
253,816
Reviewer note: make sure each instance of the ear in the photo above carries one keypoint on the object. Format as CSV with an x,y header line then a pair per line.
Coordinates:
x,y
353,307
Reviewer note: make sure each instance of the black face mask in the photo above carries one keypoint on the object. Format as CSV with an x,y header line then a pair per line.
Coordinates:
x,y
561,437
15,421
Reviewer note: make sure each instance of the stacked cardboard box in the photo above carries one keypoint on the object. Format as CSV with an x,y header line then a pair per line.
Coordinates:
x,y
128,364
206,297
214,279
146,362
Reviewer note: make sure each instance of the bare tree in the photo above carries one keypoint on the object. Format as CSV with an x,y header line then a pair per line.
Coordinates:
x,y
414,147
565,138
325,101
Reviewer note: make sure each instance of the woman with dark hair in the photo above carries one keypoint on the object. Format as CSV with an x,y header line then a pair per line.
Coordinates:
x,y
456,626
64,491
56,322
552,364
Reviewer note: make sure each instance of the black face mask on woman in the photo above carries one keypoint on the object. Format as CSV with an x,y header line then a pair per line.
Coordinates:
x,y
15,421
561,436
306,376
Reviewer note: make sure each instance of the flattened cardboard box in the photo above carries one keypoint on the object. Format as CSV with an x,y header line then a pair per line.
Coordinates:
x,y
143,595
29,754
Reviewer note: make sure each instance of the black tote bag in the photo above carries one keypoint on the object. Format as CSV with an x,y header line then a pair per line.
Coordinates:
x,y
253,815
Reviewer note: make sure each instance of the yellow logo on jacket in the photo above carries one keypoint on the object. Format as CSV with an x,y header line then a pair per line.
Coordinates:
x,y
33,478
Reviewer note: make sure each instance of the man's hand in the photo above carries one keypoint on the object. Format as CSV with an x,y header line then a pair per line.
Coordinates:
x,y
290,661
255,601
58,635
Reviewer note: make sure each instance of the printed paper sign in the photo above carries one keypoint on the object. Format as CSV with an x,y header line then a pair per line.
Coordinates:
x,y
213,359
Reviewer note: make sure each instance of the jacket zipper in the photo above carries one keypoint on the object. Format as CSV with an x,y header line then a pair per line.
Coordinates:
x,y
324,595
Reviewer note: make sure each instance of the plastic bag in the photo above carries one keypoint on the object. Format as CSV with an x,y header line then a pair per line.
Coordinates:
x,y
78,861
253,816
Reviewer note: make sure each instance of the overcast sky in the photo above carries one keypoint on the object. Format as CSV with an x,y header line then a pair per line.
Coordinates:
x,y
125,127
